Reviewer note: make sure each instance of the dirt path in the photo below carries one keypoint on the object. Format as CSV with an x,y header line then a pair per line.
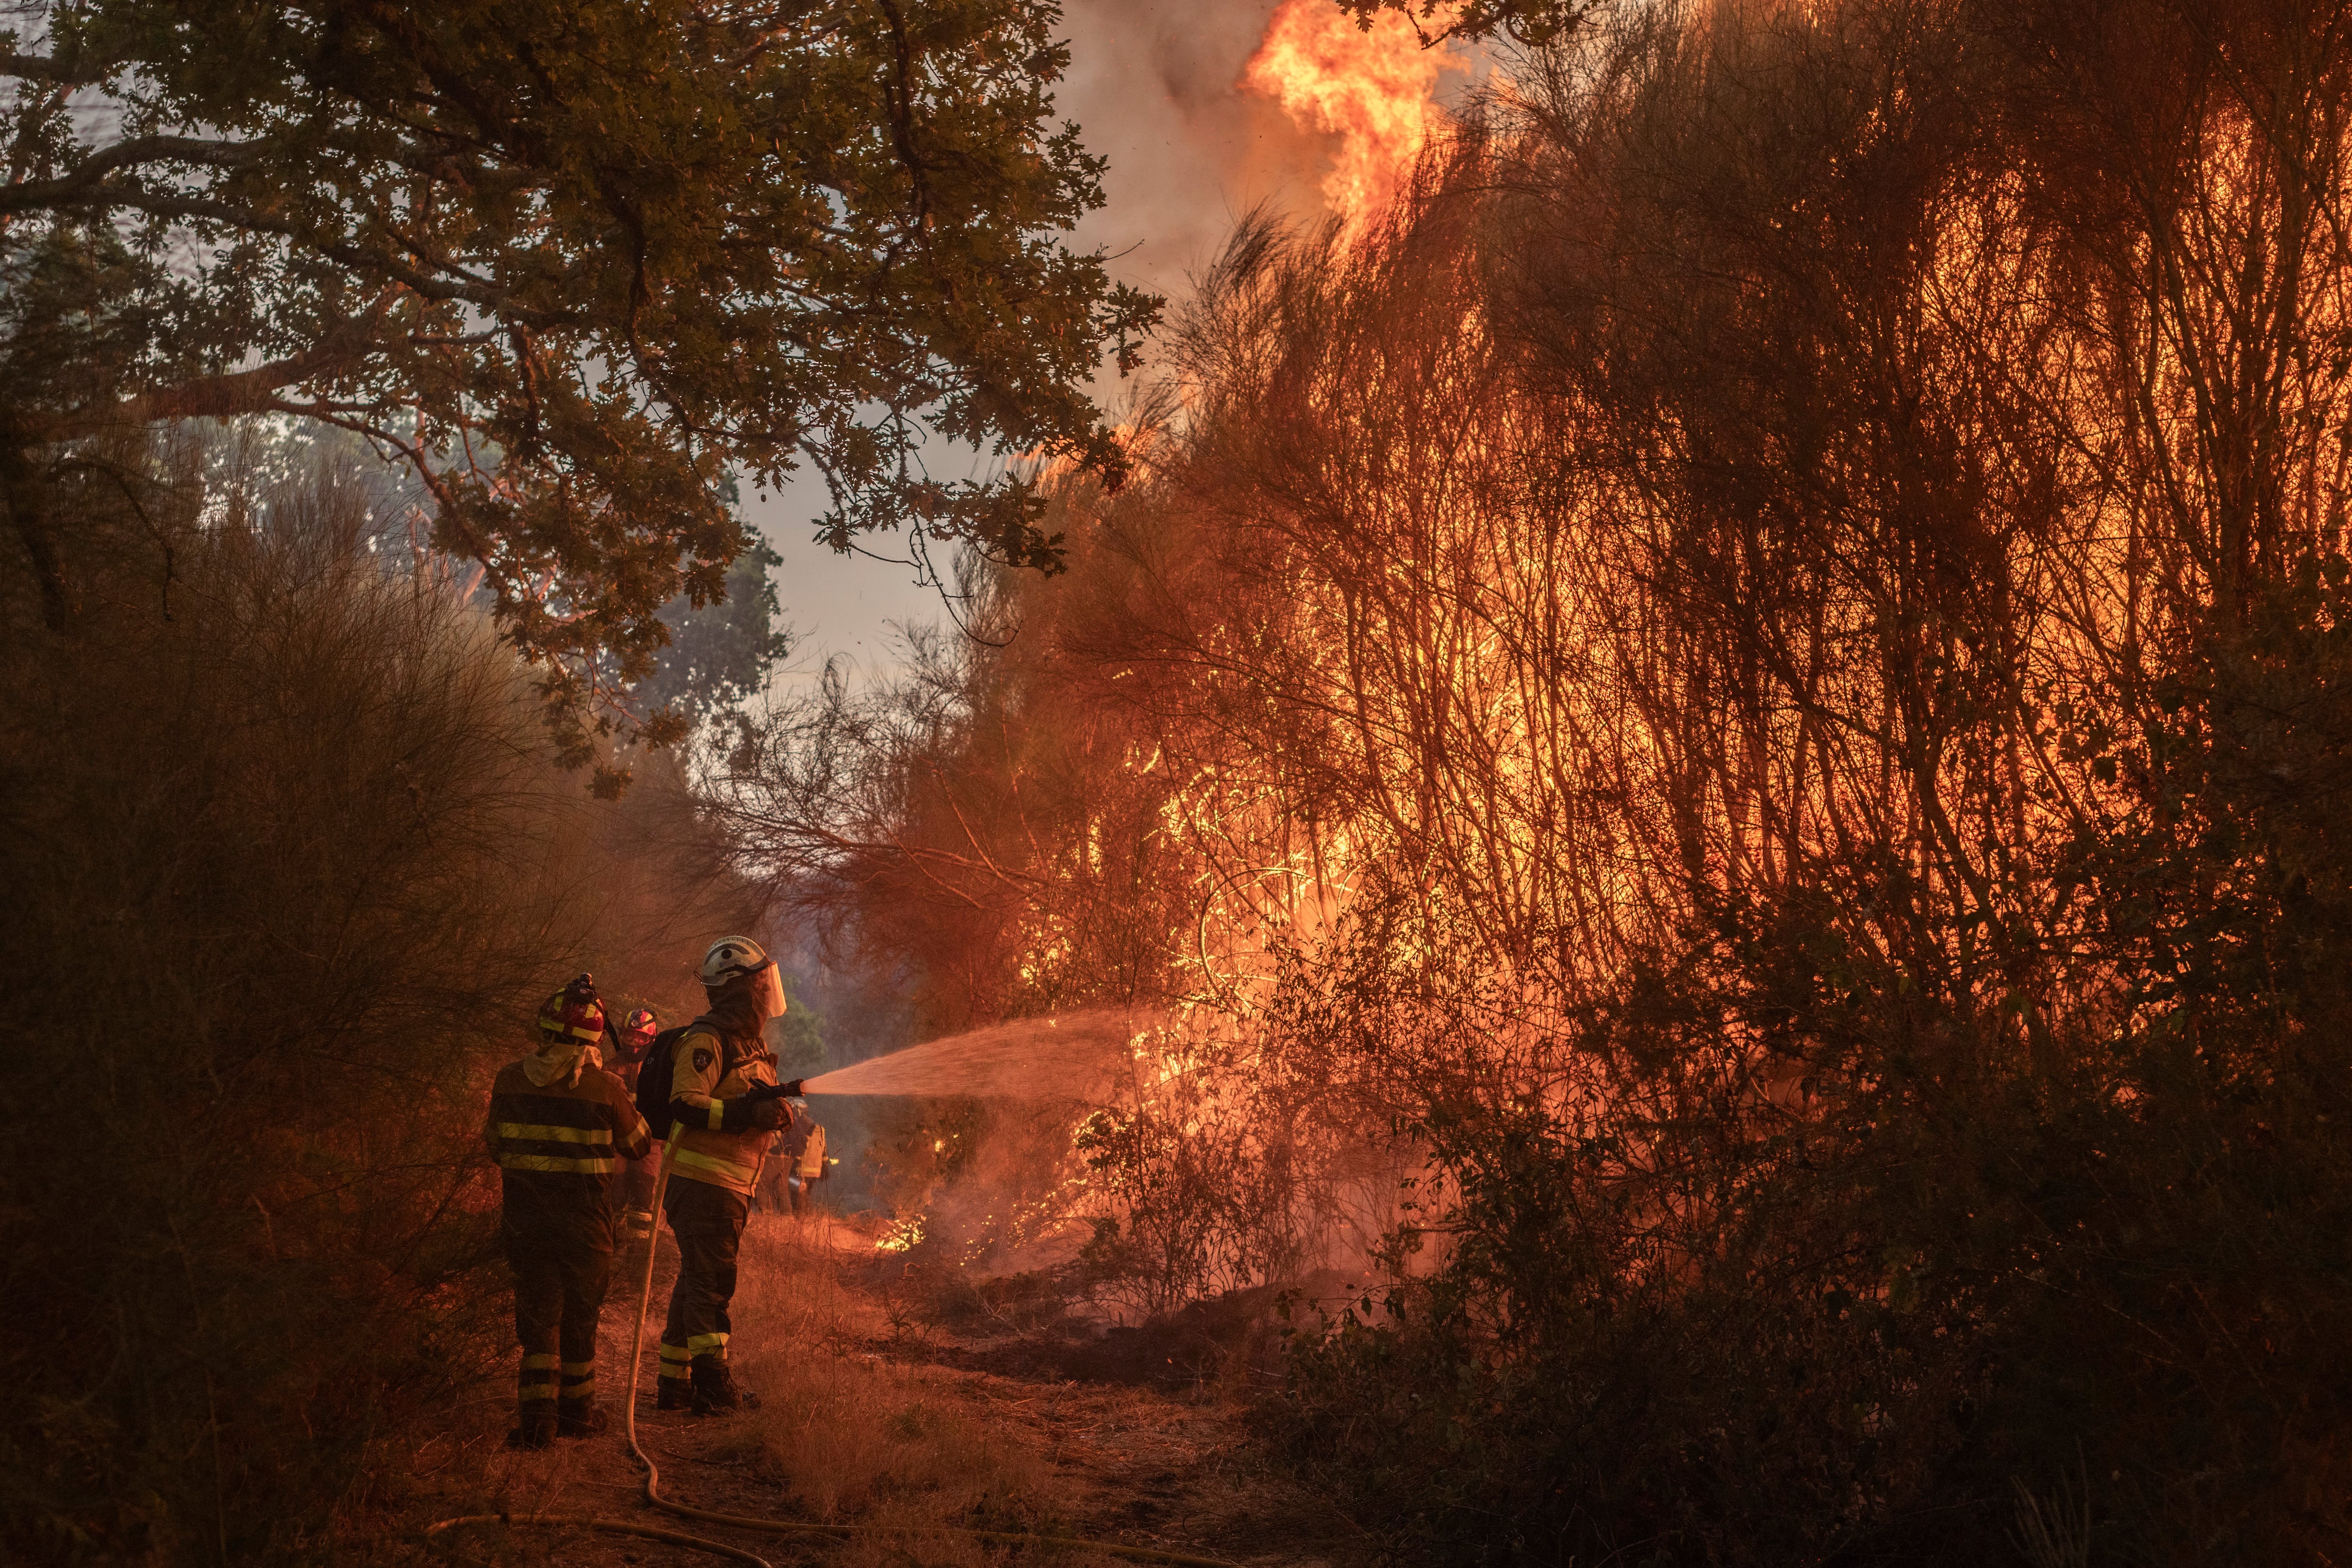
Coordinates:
x,y
873,1415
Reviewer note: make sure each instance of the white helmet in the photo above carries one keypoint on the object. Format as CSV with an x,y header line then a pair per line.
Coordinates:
x,y
731,958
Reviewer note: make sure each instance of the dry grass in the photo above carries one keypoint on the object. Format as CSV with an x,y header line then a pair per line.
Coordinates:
x,y
913,1454
856,1439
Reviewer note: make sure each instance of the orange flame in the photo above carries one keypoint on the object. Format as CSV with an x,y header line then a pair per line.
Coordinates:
x,y
1372,89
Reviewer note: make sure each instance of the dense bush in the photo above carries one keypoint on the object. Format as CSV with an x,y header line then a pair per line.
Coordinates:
x,y
1922,1296
288,873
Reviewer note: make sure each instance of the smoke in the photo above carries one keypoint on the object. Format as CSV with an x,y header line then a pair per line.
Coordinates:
x,y
1159,90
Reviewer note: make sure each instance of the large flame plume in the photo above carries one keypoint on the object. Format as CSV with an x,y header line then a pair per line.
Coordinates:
x,y
1374,89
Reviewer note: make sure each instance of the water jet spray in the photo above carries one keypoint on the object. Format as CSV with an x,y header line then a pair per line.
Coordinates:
x,y
1065,1057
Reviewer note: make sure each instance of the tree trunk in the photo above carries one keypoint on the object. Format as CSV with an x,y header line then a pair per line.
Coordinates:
x,y
21,487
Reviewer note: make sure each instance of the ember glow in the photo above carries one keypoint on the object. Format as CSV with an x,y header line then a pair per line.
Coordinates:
x,y
1373,90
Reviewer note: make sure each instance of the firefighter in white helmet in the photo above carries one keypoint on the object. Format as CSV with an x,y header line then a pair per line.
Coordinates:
x,y
726,1108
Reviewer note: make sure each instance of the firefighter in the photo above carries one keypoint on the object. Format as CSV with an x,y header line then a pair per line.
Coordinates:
x,y
797,1160
632,1040
726,1108
803,1158
558,1127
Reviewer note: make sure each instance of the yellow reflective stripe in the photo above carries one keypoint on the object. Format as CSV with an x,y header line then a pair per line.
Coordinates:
x,y
536,1391
578,1368
695,1160
673,1352
538,1361
717,1115
585,1167
533,1132
702,1345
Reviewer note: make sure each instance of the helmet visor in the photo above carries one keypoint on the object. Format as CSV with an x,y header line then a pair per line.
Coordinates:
x,y
767,987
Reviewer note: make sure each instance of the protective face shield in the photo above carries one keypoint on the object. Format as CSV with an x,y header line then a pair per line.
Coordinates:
x,y
767,990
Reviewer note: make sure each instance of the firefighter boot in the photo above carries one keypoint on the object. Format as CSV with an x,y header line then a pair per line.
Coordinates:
x,y
578,1418
534,1425
534,1401
716,1392
677,1390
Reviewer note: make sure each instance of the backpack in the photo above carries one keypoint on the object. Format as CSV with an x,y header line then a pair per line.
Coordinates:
x,y
656,1072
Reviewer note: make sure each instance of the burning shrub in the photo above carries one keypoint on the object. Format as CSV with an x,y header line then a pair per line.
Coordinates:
x,y
1859,1317
1746,691
1864,908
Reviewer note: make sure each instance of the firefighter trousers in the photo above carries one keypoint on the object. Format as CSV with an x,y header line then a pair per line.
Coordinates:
x,y
707,1222
560,1287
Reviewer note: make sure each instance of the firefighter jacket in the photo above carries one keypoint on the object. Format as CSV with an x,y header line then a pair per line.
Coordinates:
x,y
717,1131
557,1142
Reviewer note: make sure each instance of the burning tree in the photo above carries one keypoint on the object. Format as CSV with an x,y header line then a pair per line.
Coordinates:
x,y
1752,678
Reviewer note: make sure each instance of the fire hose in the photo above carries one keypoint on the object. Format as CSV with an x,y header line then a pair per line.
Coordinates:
x,y
653,1496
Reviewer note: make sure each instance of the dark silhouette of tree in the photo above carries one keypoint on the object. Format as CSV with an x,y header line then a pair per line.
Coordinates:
x,y
721,653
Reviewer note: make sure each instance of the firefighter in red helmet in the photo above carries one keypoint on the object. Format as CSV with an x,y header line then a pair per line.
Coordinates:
x,y
634,1038
560,1126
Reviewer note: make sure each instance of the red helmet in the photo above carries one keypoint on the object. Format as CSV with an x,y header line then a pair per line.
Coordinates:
x,y
637,1032
573,1013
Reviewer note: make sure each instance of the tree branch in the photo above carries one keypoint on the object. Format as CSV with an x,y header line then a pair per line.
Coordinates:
x,y
45,67
248,391
30,194
490,296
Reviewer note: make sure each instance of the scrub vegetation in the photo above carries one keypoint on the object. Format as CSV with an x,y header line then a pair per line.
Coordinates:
x,y
288,870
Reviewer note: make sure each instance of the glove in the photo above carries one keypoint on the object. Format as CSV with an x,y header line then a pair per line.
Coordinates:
x,y
759,1091
770,1114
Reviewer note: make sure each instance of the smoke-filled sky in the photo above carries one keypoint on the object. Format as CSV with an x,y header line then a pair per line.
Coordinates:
x,y
1156,86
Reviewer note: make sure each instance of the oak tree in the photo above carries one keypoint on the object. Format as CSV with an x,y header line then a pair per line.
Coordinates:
x,y
574,262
